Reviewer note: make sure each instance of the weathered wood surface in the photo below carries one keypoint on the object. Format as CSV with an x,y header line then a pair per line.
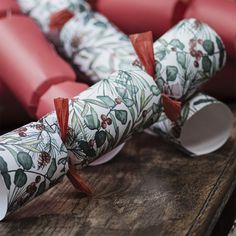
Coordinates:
x,y
150,188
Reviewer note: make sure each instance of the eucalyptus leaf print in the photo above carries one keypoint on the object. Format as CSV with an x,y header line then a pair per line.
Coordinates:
x,y
7,180
52,169
193,54
177,43
208,45
161,52
121,115
100,138
181,59
206,64
92,121
171,73
25,160
3,165
4,173
20,178
107,100
221,51
41,188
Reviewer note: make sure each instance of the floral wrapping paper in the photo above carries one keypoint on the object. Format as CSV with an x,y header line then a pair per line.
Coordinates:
x,y
32,159
194,132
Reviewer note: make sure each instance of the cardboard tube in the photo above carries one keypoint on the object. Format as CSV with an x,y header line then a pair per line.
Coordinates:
x,y
203,127
66,89
143,16
9,107
29,65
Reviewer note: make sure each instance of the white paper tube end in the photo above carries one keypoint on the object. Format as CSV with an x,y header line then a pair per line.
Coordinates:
x,y
149,131
108,156
3,199
208,129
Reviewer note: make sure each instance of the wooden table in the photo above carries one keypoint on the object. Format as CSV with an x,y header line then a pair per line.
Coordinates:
x,y
150,188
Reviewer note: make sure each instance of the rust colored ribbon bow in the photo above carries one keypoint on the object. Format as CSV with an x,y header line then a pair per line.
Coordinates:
x,y
58,19
62,111
143,46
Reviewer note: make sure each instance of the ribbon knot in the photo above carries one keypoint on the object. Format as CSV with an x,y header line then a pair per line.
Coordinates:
x,y
143,46
62,111
58,19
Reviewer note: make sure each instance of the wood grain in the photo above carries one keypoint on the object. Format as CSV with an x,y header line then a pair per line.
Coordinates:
x,y
150,188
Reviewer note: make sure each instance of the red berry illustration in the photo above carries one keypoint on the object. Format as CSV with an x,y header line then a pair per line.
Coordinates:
x,y
103,117
109,121
198,58
75,42
144,113
199,53
91,142
104,124
196,64
20,201
193,53
22,134
192,43
37,179
22,129
40,127
200,41
118,100
31,189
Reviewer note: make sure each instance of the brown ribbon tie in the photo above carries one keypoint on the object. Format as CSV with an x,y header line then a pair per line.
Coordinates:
x,y
143,46
62,112
58,19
